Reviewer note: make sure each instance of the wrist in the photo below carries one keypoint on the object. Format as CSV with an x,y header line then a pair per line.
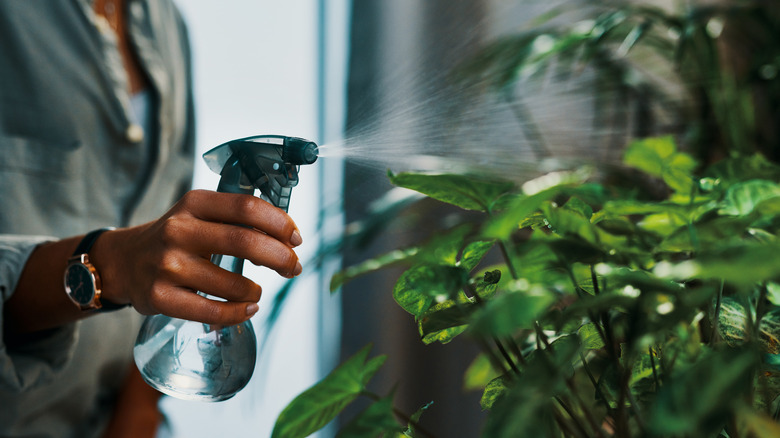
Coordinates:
x,y
104,257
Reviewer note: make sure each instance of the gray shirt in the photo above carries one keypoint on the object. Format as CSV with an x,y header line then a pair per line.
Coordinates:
x,y
74,157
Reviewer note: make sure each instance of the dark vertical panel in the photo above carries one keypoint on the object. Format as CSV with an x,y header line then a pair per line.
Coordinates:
x,y
419,373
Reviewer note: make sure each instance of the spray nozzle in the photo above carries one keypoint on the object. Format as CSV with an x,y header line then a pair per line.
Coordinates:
x,y
300,151
268,163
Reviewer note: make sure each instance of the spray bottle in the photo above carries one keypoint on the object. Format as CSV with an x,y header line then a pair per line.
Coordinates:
x,y
196,361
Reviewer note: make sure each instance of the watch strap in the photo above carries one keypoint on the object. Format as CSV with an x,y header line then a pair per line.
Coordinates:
x,y
83,248
89,240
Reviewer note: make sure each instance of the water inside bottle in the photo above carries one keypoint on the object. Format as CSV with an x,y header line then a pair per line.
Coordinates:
x,y
195,361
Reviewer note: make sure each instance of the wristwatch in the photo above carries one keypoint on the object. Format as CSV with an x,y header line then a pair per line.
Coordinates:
x,y
82,282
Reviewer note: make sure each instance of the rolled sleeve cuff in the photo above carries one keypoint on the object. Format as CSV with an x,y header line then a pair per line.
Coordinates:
x,y
38,358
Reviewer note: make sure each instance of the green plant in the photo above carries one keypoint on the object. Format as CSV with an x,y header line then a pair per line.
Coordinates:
x,y
616,309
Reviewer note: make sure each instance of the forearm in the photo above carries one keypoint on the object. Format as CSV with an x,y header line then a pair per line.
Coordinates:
x,y
136,413
39,301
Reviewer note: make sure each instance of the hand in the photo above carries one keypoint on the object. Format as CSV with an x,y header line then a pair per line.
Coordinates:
x,y
158,266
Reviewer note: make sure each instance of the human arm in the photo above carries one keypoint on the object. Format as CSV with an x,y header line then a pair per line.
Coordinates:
x,y
157,266
136,414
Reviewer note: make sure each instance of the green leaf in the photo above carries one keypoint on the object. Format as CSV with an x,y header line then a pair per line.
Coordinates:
x,y
626,207
409,431
713,232
574,249
467,192
479,373
486,287
515,309
591,339
375,420
372,265
423,285
473,253
444,247
564,221
444,321
742,264
317,406
744,168
642,382
733,327
579,206
503,225
605,301
732,321
493,390
698,401
650,154
773,292
658,156
742,198
537,192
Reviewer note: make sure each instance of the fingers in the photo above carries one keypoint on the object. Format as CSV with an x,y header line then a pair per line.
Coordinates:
x,y
176,296
242,209
259,248
183,304
209,278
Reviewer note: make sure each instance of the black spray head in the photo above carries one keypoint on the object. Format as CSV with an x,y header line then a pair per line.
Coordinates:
x,y
265,162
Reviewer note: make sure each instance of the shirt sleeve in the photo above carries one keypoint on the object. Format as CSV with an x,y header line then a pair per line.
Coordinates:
x,y
37,358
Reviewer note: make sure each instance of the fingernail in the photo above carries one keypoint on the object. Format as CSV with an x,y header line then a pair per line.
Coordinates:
x,y
296,238
298,269
252,309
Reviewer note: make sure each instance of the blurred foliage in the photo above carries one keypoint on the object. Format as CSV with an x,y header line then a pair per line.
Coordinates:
x,y
619,310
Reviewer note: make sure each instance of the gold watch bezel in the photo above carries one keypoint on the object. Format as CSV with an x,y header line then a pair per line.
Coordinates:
x,y
81,261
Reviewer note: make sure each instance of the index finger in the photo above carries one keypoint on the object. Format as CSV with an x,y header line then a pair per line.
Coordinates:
x,y
245,210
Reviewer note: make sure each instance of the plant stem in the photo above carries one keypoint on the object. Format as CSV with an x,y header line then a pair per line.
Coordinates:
x,y
609,342
595,280
622,419
580,293
563,424
498,343
508,259
761,307
494,360
640,421
714,336
584,407
516,350
592,378
577,425
507,357
652,365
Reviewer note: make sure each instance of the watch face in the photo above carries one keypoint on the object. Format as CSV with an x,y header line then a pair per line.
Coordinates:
x,y
79,284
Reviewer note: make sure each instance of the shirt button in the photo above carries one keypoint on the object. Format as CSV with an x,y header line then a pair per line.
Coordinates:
x,y
102,24
134,133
